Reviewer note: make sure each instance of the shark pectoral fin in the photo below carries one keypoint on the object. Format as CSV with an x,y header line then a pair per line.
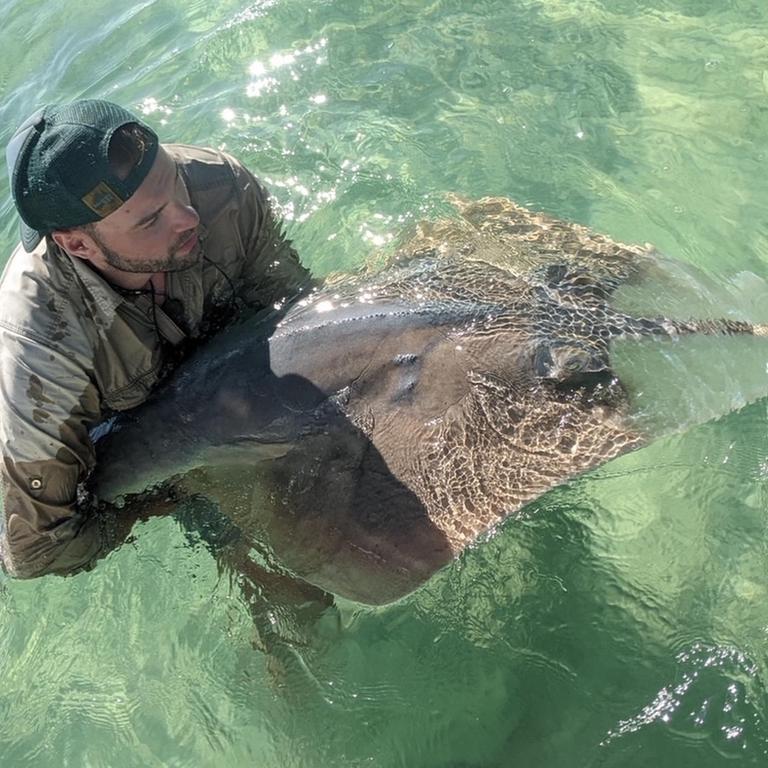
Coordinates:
x,y
245,450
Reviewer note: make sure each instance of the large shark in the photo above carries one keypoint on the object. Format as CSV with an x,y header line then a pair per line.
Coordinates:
x,y
368,434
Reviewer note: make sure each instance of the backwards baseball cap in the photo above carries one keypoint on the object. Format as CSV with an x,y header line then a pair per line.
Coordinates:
x,y
58,161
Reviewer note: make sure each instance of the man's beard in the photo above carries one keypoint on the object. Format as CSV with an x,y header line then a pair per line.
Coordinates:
x,y
172,262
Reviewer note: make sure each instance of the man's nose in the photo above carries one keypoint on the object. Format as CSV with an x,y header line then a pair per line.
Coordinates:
x,y
185,218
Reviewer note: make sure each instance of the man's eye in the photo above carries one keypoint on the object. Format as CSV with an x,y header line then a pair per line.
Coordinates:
x,y
151,222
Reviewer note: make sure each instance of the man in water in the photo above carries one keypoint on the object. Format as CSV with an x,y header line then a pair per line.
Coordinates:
x,y
131,252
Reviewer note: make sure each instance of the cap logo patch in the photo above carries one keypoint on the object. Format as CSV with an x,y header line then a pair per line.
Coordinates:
x,y
102,199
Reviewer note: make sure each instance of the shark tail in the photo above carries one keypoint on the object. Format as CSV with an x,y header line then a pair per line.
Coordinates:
x,y
663,326
719,327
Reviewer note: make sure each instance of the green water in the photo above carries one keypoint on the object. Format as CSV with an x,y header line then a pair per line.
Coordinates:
x,y
624,621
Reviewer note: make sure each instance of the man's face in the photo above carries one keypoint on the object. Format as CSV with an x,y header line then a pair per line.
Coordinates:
x,y
155,230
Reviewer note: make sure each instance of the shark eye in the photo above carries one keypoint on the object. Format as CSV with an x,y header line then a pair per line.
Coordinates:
x,y
573,364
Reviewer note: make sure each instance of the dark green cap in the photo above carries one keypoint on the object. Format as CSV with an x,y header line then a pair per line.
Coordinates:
x,y
59,166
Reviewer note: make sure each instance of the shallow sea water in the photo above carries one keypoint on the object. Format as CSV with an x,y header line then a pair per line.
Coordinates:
x,y
623,621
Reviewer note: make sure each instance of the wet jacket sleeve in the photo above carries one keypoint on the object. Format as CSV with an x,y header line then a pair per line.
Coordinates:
x,y
271,270
47,403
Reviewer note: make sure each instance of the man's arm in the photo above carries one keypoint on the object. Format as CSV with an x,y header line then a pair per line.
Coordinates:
x,y
271,271
47,404
38,538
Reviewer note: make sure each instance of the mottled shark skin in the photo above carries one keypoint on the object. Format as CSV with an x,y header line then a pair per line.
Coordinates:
x,y
381,425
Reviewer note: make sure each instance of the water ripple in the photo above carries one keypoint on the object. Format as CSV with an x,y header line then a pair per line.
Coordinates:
x,y
719,696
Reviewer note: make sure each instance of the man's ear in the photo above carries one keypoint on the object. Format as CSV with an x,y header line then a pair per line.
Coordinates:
x,y
76,242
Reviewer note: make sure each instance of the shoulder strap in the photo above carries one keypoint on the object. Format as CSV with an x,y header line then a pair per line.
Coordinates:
x,y
168,329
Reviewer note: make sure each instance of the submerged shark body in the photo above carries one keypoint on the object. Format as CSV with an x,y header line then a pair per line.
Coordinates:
x,y
388,420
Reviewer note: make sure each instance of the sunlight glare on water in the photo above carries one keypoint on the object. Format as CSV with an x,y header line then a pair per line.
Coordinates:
x,y
623,620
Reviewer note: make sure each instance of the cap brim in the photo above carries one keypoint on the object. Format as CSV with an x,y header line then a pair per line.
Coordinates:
x,y
29,237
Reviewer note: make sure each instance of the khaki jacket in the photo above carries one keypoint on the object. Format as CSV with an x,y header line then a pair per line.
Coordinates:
x,y
73,349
